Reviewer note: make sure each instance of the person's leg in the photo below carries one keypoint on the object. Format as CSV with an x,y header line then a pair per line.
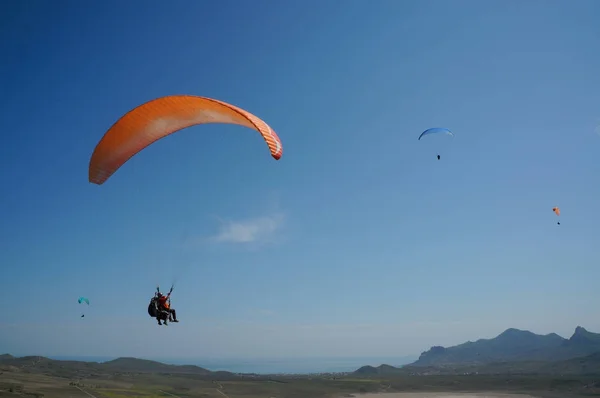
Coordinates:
x,y
173,315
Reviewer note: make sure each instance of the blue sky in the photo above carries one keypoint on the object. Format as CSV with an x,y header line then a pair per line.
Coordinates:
x,y
358,241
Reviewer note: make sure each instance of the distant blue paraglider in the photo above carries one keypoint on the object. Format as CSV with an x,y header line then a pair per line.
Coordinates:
x,y
437,130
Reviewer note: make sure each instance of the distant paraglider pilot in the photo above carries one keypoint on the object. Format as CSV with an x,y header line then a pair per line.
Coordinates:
x,y
438,156
164,304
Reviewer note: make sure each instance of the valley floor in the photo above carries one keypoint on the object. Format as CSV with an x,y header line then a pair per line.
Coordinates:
x,y
60,382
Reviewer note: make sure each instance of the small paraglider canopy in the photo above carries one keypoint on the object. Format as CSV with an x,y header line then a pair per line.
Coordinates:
x,y
436,131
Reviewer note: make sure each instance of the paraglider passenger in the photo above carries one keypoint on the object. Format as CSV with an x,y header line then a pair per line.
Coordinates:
x,y
163,302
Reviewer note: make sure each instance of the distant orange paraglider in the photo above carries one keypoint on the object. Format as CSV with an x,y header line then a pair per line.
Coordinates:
x,y
158,118
556,211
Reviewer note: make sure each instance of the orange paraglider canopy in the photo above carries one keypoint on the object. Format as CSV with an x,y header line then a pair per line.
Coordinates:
x,y
556,210
158,118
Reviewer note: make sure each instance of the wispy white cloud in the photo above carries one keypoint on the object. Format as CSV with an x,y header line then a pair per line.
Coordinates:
x,y
255,230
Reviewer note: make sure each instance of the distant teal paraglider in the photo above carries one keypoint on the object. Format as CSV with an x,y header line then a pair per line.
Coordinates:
x,y
82,300
437,130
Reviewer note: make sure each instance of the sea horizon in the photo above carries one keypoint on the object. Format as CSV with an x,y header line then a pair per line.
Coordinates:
x,y
301,365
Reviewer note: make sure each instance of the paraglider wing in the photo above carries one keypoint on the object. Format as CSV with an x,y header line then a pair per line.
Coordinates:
x,y
161,117
436,130
83,300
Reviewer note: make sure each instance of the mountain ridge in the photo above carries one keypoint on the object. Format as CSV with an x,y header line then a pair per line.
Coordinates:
x,y
513,345
587,365
513,350
121,365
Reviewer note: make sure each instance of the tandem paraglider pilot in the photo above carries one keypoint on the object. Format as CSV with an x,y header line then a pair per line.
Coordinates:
x,y
164,303
160,308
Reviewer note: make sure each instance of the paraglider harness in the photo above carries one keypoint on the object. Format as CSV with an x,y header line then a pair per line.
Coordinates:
x,y
154,308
